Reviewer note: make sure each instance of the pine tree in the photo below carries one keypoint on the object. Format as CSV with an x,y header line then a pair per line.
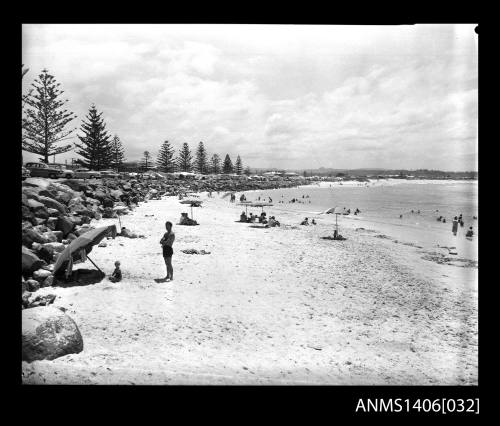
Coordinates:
x,y
165,160
215,162
95,146
238,166
146,161
184,161
228,165
45,120
117,153
201,162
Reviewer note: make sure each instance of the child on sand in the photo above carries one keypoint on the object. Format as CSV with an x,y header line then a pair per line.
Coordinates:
x,y
116,276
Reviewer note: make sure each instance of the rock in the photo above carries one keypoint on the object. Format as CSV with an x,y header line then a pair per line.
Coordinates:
x,y
86,219
48,333
75,185
26,298
56,246
63,197
40,221
99,195
27,224
33,285
59,235
27,214
31,262
45,253
51,203
71,237
31,236
36,246
49,281
65,225
24,285
41,274
116,194
102,244
97,216
52,223
49,192
41,229
39,210
108,212
108,202
51,237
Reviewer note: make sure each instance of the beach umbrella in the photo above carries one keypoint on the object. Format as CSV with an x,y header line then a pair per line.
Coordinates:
x,y
192,203
336,211
262,205
119,211
245,203
83,242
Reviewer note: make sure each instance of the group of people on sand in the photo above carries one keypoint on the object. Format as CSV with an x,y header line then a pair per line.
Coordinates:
x,y
306,222
251,218
166,243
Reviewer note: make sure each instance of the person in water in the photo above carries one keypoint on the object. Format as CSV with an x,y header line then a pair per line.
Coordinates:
x,y
454,226
166,242
470,233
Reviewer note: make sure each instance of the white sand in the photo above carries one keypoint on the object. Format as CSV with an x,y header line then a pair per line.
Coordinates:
x,y
271,306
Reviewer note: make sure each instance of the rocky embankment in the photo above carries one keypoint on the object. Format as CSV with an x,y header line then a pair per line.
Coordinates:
x,y
55,212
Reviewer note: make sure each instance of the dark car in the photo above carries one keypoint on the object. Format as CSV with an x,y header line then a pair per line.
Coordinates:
x,y
43,170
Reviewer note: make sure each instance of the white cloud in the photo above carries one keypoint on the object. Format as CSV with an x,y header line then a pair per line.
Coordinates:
x,y
285,97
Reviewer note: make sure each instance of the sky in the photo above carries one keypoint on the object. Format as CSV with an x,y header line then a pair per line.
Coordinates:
x,y
280,96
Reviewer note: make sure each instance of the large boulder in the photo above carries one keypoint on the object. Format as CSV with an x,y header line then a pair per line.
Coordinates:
x,y
31,262
27,214
45,253
51,237
51,203
57,247
116,194
64,197
48,333
65,225
41,274
75,185
31,236
52,223
108,212
49,192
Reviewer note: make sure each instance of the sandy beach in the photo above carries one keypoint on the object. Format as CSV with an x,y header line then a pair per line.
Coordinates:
x,y
272,306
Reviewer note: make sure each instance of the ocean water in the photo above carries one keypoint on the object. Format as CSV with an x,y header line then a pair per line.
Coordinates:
x,y
385,201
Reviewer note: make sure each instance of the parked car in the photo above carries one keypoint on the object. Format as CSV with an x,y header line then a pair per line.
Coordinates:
x,y
43,170
109,173
86,174
26,173
133,174
67,173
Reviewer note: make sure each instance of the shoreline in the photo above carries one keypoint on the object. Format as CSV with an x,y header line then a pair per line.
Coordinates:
x,y
268,306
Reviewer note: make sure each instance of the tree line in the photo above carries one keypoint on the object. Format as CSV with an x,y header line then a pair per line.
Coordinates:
x,y
45,128
185,161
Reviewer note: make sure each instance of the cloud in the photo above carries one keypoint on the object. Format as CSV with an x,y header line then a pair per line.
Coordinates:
x,y
279,97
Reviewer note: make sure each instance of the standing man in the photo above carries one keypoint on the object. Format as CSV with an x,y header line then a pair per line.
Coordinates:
x,y
166,242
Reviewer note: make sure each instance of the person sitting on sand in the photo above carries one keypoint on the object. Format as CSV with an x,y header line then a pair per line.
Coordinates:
x,y
305,221
243,217
272,222
185,220
127,233
116,276
262,218
470,233
243,198
252,218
